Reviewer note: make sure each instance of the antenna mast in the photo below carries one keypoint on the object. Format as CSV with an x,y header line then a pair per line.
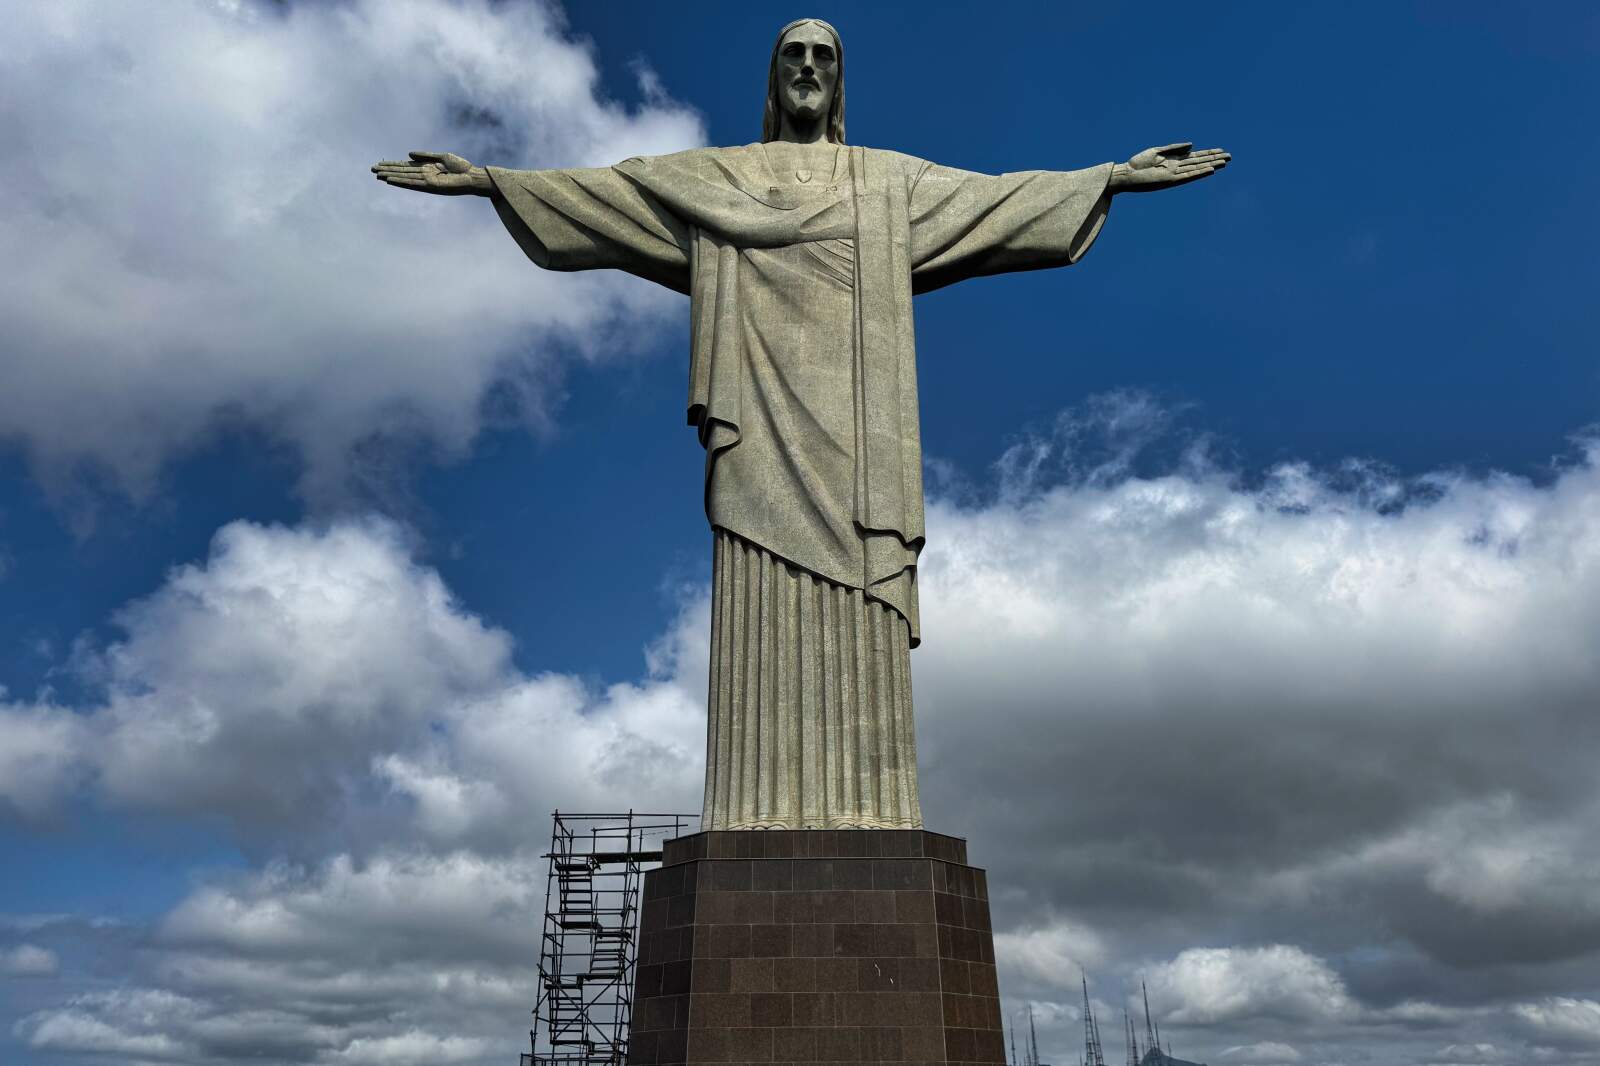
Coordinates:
x,y
1088,1025
1093,1053
1149,1030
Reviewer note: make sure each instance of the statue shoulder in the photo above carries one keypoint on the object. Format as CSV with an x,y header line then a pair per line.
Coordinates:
x,y
889,157
908,168
708,164
691,157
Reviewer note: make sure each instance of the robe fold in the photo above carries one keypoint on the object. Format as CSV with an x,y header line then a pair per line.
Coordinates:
x,y
802,368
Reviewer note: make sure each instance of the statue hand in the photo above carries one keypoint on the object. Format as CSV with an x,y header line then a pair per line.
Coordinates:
x,y
1167,168
438,172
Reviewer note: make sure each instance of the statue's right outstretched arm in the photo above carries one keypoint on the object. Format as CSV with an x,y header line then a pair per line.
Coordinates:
x,y
581,219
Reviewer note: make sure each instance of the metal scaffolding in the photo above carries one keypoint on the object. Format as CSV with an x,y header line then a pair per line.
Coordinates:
x,y
591,922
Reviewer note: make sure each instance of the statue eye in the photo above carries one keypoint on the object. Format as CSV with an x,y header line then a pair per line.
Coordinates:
x,y
824,55
794,51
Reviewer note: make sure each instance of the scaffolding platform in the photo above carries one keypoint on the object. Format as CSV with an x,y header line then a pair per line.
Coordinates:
x,y
589,941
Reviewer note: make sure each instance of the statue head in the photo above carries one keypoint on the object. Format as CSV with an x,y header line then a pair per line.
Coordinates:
x,y
806,79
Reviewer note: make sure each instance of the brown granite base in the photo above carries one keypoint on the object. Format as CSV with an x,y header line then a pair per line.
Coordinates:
x,y
838,946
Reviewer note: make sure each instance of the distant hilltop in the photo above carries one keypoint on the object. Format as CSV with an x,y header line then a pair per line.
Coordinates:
x,y
1157,1057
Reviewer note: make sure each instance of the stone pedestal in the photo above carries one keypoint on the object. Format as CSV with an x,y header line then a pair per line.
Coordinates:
x,y
815,946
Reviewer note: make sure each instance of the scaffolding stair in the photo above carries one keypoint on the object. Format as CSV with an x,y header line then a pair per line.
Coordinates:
x,y
585,989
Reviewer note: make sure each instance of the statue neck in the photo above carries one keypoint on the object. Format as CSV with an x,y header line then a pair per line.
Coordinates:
x,y
803,131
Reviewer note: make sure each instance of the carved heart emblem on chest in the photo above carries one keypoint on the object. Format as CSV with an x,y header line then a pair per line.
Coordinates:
x,y
803,176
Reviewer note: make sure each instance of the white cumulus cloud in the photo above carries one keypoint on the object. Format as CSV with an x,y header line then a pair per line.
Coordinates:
x,y
1053,955
129,1023
1210,985
1564,1019
412,1048
206,247
38,756
321,677
457,908
259,684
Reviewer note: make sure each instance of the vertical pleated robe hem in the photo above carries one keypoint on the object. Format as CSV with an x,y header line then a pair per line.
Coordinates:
x,y
810,701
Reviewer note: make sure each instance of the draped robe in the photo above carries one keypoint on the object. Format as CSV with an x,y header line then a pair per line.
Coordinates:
x,y
802,387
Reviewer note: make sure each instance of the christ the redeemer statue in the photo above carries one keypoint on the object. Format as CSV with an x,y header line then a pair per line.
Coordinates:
x,y
800,255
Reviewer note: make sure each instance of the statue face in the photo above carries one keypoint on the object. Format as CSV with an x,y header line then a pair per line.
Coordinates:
x,y
808,70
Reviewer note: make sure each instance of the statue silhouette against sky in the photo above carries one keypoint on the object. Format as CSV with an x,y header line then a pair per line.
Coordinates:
x,y
800,255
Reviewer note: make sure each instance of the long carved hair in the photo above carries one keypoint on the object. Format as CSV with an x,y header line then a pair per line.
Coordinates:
x,y
772,121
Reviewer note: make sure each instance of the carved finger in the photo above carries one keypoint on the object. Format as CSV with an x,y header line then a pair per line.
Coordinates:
x,y
1181,146
397,168
428,157
409,183
391,163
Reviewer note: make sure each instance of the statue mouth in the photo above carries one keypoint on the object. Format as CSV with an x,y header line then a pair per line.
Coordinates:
x,y
807,84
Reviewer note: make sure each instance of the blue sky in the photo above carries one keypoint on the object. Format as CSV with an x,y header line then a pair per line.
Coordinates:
x,y
1337,402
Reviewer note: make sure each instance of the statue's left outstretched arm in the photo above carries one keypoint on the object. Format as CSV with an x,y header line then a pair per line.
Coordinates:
x,y
967,225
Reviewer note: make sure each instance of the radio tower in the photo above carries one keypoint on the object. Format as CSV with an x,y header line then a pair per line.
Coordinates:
x,y
1151,1039
1088,1025
1093,1053
1033,1040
